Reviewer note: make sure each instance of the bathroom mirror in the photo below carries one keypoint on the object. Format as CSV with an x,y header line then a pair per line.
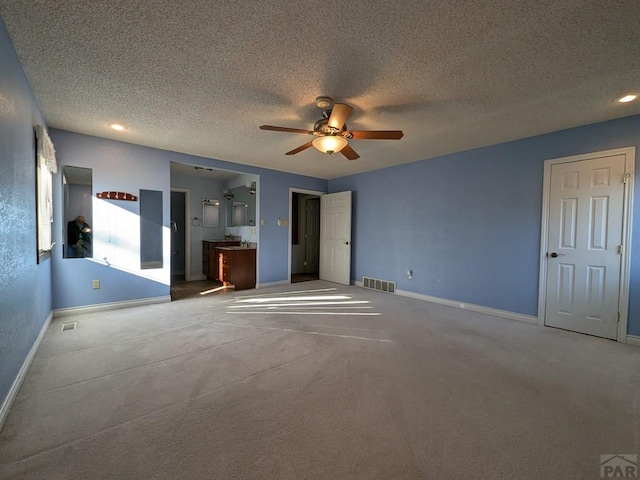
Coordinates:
x,y
151,249
240,216
210,212
77,191
241,208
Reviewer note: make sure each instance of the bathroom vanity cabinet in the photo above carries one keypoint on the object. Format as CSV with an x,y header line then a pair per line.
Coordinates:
x,y
210,258
237,267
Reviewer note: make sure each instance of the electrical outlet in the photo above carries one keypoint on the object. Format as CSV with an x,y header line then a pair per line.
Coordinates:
x,y
262,222
96,284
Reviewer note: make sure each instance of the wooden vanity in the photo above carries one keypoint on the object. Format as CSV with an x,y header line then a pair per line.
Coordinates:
x,y
210,257
237,266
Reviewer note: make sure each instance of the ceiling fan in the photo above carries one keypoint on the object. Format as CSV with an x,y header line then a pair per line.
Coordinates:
x,y
331,131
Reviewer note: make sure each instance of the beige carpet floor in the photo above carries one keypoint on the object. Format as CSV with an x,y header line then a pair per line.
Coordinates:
x,y
319,381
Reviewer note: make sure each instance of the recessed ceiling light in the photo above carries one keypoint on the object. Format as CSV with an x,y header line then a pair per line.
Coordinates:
x,y
117,126
627,98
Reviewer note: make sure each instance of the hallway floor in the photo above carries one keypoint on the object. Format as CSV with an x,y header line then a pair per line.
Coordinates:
x,y
181,289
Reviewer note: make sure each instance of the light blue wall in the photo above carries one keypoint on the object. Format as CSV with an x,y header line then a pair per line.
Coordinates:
x,y
274,203
119,166
468,224
25,286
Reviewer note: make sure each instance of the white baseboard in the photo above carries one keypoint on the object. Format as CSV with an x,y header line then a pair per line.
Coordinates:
x,y
279,283
17,383
101,307
633,340
494,312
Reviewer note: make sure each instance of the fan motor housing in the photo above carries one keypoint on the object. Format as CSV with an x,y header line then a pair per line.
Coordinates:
x,y
322,127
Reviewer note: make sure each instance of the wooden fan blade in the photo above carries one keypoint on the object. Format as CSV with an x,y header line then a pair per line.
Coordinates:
x,y
339,115
284,129
300,148
375,134
349,152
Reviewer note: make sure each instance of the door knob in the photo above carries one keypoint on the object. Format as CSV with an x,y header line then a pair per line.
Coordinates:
x,y
554,254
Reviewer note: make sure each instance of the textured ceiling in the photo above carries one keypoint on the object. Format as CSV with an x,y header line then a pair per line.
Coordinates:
x,y
201,76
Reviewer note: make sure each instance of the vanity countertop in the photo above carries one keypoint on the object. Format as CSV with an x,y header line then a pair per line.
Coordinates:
x,y
236,248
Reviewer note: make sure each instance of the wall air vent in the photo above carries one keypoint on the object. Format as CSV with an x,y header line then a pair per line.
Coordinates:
x,y
381,285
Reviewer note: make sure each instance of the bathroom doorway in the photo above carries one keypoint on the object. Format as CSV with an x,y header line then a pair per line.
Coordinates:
x,y
178,235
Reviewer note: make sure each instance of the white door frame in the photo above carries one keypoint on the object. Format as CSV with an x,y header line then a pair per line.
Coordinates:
x,y
187,230
627,215
293,190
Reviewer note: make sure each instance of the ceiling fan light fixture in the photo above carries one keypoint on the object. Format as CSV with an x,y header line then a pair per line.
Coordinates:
x,y
330,143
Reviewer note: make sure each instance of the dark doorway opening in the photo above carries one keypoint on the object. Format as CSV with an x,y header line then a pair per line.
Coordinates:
x,y
305,237
178,237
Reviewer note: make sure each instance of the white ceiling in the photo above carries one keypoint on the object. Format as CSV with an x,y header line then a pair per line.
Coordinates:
x,y
200,76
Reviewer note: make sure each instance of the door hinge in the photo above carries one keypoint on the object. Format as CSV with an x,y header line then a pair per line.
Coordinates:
x,y
626,177
620,249
618,317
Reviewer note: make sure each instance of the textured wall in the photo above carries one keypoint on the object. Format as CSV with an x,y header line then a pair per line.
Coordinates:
x,y
124,167
119,167
25,286
274,203
468,224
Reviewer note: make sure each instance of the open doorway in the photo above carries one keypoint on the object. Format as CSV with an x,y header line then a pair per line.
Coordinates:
x,y
211,196
179,235
305,236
